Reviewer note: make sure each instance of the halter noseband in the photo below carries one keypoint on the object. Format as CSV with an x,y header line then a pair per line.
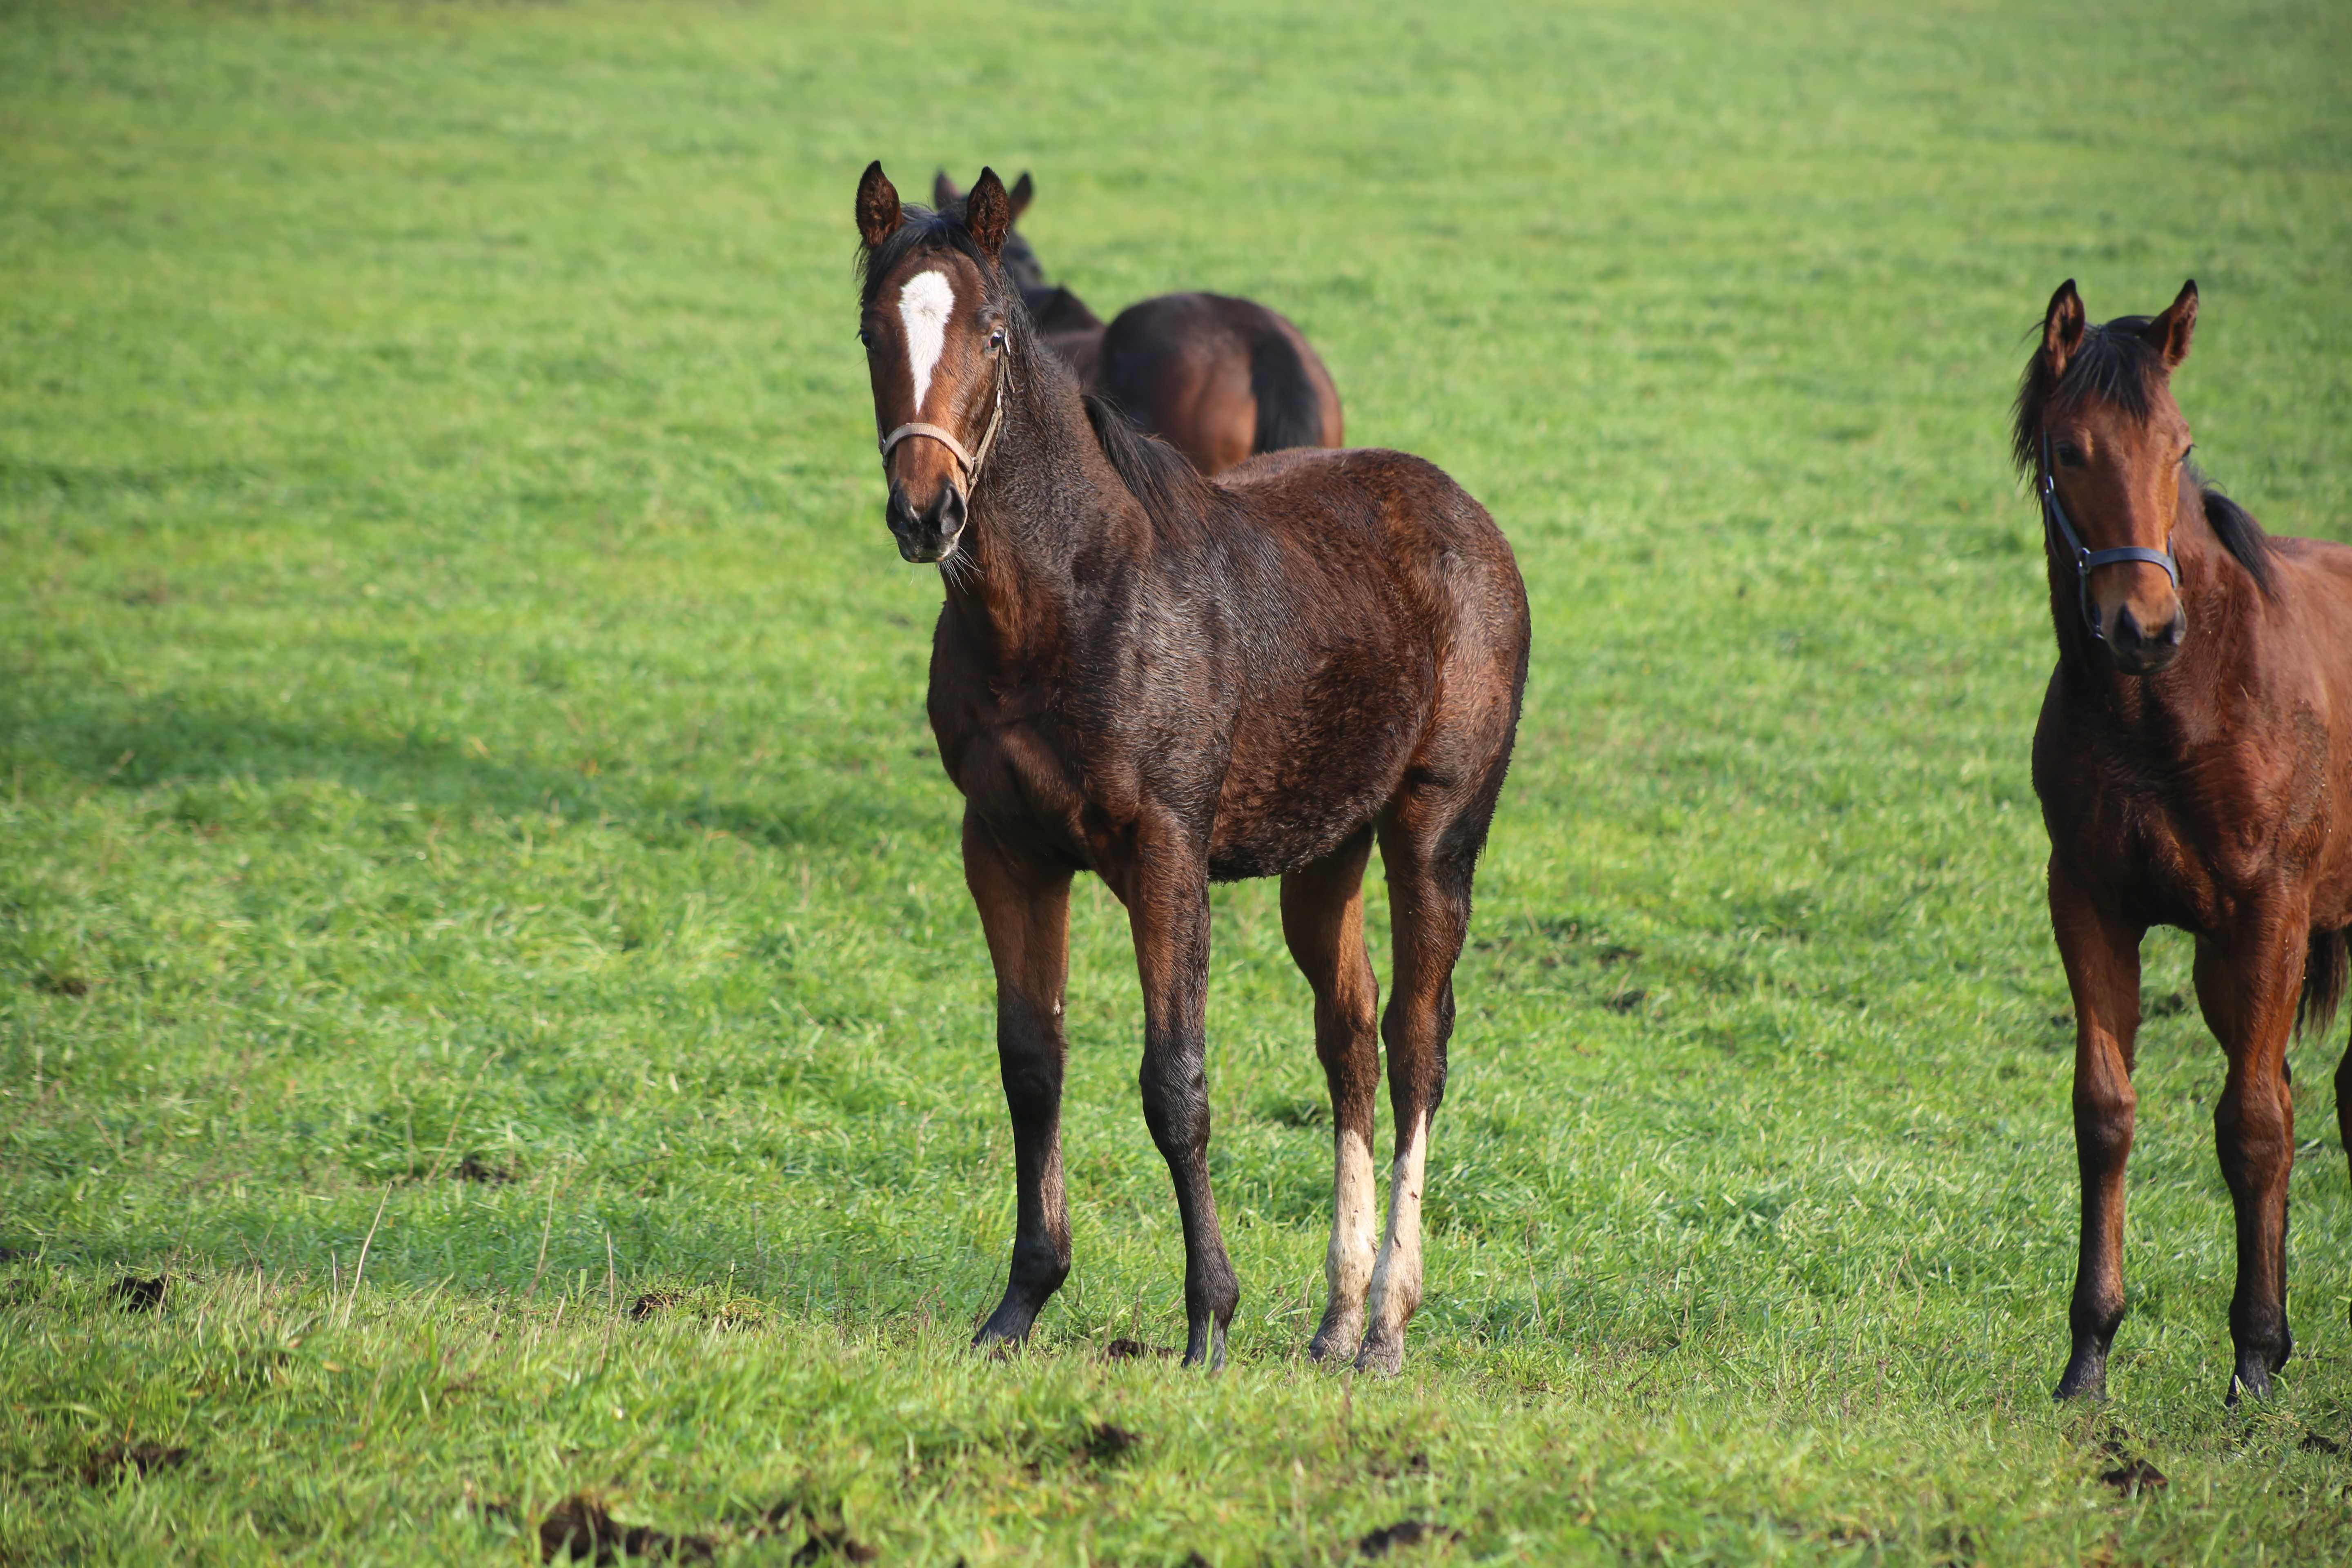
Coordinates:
x,y
2054,522
969,462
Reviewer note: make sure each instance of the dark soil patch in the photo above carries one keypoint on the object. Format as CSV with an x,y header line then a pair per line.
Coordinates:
x,y
2133,1475
1107,1444
652,1302
1618,954
581,1530
1411,1464
1404,1532
145,1458
837,1544
1134,1349
473,1169
140,1295
61,985
1626,1001
2313,1443
17,1254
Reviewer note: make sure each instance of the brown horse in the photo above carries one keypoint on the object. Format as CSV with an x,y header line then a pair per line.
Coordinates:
x,y
2194,759
1219,379
1170,682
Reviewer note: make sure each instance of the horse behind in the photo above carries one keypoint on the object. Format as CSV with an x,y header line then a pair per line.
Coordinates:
x,y
2194,762
1218,378
1169,680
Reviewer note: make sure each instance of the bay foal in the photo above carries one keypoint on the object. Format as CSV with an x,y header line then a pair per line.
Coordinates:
x,y
2194,762
1169,680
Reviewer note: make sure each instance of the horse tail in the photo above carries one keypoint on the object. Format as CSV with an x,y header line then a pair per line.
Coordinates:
x,y
2324,973
1289,414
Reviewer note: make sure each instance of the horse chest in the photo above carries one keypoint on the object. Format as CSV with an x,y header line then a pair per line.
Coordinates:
x,y
2199,838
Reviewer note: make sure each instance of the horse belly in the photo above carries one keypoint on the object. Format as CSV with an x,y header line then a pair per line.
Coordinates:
x,y
1286,805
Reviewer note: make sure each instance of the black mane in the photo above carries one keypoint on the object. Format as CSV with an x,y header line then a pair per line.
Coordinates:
x,y
1172,492
2114,364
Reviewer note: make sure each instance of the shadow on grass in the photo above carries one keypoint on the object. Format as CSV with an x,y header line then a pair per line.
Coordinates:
x,y
234,769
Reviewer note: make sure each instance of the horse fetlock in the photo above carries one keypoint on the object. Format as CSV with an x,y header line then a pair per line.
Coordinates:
x,y
1341,1332
1382,1353
2086,1375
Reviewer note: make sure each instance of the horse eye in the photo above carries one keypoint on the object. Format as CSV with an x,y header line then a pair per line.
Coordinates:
x,y
864,338
2068,455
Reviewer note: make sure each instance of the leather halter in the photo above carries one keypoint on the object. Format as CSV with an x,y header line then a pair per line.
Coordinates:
x,y
2054,522
969,462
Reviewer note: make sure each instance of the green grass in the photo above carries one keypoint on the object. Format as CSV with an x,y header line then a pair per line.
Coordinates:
x,y
457,700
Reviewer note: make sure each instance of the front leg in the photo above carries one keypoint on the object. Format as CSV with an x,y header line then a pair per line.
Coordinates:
x,y
2248,992
1024,906
2101,952
1167,893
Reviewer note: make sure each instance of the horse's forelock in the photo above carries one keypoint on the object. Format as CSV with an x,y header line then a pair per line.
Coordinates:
x,y
2113,364
925,230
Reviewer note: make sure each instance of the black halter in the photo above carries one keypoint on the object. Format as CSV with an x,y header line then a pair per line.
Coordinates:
x,y
2054,521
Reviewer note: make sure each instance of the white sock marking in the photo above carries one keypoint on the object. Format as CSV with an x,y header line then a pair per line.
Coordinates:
x,y
1396,1278
925,302
1348,1266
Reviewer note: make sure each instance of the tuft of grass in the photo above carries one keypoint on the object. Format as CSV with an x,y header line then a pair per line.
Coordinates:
x,y
465,799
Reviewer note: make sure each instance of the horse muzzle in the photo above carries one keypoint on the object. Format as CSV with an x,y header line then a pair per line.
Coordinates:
x,y
2139,651
930,532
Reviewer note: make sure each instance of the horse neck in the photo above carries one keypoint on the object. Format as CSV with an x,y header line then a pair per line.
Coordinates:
x,y
2174,709
1047,493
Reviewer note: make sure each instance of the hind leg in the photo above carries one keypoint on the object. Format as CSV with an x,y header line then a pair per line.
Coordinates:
x,y
1429,907
1323,921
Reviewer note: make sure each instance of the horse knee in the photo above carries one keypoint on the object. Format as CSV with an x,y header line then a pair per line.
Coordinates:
x,y
2103,1115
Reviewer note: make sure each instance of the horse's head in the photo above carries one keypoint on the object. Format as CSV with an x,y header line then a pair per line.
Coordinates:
x,y
2097,428
935,320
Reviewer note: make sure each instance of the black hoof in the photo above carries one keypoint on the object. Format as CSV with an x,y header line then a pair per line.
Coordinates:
x,y
2085,1379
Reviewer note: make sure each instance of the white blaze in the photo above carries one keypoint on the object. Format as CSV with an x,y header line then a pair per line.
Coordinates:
x,y
925,303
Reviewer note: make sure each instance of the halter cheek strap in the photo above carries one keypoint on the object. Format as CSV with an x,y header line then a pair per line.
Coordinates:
x,y
969,462
2054,522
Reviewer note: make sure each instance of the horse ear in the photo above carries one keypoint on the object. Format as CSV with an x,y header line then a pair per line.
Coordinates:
x,y
2168,334
2061,328
1024,192
878,207
988,213
944,193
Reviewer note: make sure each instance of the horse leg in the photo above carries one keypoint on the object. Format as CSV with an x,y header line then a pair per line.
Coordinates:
x,y
1024,907
1429,875
1168,913
2254,985
2101,954
1323,921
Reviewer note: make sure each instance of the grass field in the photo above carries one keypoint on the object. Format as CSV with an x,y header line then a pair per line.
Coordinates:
x,y
465,797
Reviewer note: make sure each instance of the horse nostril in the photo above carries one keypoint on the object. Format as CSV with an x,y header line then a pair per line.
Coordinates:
x,y
949,512
2179,627
2125,637
900,511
